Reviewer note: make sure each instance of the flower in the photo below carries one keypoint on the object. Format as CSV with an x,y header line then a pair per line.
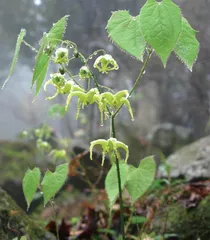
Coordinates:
x,y
58,79
105,64
61,56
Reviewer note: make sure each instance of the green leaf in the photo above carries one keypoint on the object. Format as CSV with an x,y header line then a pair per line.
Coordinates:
x,y
187,47
31,182
140,179
52,182
41,58
23,238
49,40
124,30
161,26
15,58
138,220
41,70
56,33
111,182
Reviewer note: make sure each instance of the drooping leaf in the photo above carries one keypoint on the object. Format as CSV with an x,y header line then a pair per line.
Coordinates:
x,y
161,26
124,30
53,181
48,43
187,47
31,182
15,58
139,179
111,182
40,70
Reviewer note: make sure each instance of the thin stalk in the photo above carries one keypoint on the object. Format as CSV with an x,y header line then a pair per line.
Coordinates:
x,y
55,219
113,134
28,45
72,77
130,218
150,51
112,127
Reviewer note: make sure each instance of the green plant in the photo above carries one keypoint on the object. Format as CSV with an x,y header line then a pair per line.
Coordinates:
x,y
158,28
22,238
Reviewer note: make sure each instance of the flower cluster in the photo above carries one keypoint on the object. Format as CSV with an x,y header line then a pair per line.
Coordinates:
x,y
106,101
103,101
83,98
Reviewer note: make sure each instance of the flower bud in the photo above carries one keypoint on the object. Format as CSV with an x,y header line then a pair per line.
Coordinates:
x,y
84,73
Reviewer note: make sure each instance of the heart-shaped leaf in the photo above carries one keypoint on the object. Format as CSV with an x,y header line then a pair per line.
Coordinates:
x,y
161,26
31,182
111,182
52,182
139,179
124,30
187,47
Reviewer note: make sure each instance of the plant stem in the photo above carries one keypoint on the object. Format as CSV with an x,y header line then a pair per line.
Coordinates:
x,y
150,51
55,219
112,127
113,134
72,77
130,218
28,45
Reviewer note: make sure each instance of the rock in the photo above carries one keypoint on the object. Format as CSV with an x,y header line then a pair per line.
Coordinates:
x,y
191,161
15,158
187,224
169,137
14,222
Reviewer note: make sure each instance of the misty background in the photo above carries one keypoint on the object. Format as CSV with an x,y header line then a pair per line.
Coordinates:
x,y
174,95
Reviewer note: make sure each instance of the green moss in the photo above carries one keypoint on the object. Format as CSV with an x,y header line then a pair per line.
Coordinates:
x,y
15,158
11,215
188,224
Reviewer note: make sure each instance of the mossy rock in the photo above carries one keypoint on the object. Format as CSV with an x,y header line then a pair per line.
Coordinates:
x,y
14,222
191,161
15,158
187,224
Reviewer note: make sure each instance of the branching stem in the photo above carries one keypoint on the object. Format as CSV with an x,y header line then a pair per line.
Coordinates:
x,y
72,77
113,134
150,51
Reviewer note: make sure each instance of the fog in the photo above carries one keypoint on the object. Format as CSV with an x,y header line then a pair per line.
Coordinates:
x,y
172,95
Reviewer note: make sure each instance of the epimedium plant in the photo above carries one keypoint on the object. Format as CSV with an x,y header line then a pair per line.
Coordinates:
x,y
160,28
